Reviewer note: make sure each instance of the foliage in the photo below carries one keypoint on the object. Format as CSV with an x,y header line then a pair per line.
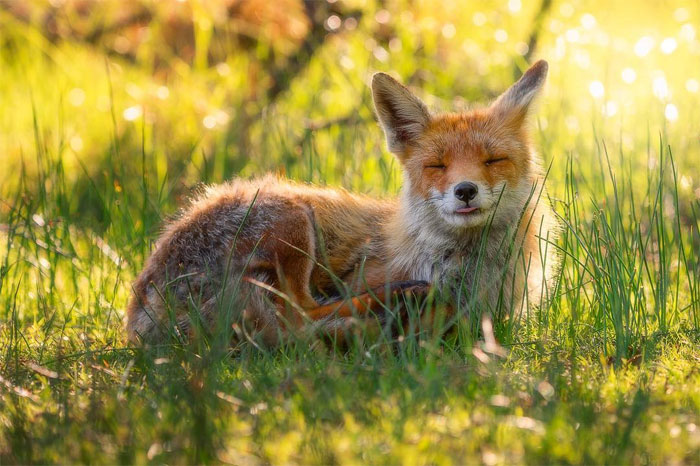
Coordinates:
x,y
108,125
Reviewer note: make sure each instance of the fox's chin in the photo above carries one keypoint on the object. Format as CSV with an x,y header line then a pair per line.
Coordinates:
x,y
465,221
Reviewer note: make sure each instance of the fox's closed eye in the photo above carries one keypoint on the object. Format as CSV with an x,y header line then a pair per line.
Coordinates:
x,y
495,160
437,166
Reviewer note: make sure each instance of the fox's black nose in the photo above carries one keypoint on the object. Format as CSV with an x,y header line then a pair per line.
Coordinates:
x,y
466,191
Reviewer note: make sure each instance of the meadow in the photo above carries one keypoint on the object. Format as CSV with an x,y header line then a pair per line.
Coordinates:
x,y
112,114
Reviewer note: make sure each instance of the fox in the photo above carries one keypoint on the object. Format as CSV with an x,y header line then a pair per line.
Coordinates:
x,y
268,255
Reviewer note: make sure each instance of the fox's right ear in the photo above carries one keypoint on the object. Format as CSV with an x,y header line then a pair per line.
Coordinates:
x,y
403,116
513,104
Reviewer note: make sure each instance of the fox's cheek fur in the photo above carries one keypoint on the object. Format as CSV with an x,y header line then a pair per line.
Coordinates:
x,y
431,180
427,181
503,186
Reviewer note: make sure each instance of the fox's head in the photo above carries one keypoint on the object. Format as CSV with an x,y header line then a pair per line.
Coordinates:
x,y
462,169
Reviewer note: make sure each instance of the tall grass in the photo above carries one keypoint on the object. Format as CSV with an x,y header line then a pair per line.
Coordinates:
x,y
604,370
626,282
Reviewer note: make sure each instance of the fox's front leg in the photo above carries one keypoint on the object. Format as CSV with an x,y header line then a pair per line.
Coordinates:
x,y
338,319
374,302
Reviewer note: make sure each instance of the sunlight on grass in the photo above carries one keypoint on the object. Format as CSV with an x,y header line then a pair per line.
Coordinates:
x,y
105,131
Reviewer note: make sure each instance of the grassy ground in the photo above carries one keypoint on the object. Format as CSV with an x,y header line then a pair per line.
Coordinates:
x,y
98,149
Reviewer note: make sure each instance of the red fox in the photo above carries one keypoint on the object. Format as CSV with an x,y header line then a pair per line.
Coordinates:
x,y
268,252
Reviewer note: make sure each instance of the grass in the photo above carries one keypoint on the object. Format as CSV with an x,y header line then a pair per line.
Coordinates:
x,y
606,372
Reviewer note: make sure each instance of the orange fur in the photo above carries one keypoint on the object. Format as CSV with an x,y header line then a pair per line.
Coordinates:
x,y
264,252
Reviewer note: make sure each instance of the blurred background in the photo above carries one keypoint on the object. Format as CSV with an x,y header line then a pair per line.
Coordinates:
x,y
113,112
181,92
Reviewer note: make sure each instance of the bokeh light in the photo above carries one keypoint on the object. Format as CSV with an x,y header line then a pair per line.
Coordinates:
x,y
596,89
629,75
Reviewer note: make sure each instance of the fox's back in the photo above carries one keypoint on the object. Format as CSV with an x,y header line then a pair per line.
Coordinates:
x,y
226,225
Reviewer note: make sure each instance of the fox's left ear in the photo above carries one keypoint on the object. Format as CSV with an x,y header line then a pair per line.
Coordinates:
x,y
403,116
513,104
